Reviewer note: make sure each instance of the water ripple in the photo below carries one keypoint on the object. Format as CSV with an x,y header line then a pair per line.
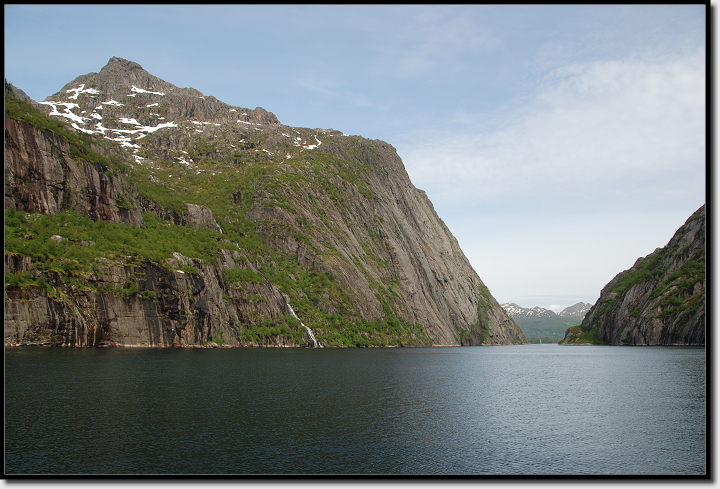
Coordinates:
x,y
501,410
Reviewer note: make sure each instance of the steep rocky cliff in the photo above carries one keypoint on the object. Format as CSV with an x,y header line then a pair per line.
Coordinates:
x,y
42,175
142,214
659,301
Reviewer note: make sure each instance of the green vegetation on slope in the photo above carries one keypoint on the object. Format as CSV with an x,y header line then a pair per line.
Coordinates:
x,y
549,330
86,240
582,335
66,249
83,246
677,289
80,144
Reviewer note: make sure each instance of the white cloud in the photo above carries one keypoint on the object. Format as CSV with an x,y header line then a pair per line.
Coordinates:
x,y
605,130
600,165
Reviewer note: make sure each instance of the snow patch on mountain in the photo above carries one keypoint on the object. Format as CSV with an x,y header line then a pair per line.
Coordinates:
x,y
68,113
576,310
81,89
313,146
140,90
121,122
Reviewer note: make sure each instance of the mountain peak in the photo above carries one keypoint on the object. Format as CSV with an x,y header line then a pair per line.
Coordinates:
x,y
119,78
124,103
129,71
122,63
515,311
576,310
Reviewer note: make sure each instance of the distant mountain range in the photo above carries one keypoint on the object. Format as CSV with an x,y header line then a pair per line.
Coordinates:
x,y
539,323
575,311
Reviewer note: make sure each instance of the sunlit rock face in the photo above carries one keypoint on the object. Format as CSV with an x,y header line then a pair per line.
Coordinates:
x,y
276,218
661,299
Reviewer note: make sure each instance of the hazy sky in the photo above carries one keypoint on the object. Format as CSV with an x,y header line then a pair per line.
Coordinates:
x,y
558,143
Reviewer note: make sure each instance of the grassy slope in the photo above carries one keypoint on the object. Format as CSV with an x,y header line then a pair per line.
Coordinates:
x,y
547,329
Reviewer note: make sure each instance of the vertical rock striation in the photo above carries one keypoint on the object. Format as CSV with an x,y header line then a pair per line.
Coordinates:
x,y
660,300
42,175
327,223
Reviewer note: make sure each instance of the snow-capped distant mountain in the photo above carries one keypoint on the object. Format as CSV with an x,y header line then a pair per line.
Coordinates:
x,y
576,310
515,311
538,322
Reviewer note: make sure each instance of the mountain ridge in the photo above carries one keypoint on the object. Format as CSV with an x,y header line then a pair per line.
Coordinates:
x,y
277,214
576,310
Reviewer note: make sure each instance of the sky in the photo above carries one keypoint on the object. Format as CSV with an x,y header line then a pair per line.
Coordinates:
x,y
557,143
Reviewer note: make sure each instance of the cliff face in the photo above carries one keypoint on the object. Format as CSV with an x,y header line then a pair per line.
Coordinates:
x,y
185,309
42,176
207,225
660,300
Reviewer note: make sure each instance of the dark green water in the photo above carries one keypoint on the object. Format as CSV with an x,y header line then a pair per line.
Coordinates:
x,y
474,410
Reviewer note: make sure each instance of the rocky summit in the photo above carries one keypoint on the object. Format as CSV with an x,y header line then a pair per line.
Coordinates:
x,y
659,301
139,213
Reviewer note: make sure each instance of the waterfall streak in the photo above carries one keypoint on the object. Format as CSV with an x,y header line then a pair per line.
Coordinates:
x,y
310,333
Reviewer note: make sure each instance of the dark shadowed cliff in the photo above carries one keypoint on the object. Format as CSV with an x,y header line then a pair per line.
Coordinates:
x,y
659,301
143,214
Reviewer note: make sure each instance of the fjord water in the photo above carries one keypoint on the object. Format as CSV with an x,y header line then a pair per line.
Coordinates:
x,y
528,409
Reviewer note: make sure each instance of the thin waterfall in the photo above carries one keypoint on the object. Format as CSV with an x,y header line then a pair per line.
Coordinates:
x,y
282,298
315,343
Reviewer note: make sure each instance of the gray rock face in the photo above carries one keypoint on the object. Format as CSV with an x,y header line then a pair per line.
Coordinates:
x,y
577,310
202,217
661,299
187,309
130,87
325,204
42,176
